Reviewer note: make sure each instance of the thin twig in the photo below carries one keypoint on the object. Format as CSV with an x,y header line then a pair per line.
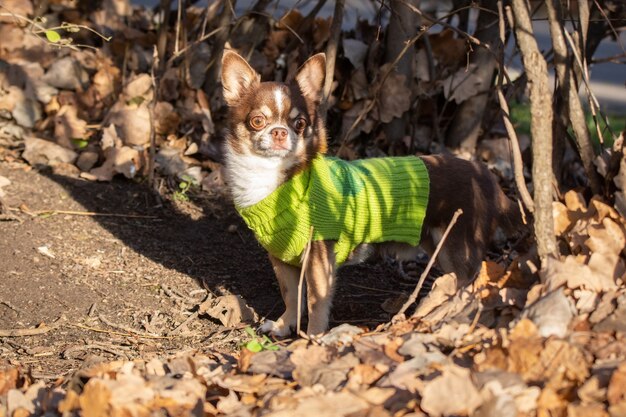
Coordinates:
x,y
62,43
444,21
12,307
618,39
518,164
79,213
179,328
283,24
193,44
151,107
420,283
178,23
30,332
97,330
125,328
305,262
594,105
115,350
305,25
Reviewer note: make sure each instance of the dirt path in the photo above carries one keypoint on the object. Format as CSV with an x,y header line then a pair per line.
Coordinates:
x,y
111,281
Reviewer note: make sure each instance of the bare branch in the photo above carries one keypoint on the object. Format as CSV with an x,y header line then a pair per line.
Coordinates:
x,y
420,283
540,127
573,106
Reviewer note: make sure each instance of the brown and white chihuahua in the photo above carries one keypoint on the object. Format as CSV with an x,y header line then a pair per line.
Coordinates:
x,y
276,129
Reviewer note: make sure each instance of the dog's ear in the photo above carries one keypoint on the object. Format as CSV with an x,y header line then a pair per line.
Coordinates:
x,y
237,77
310,77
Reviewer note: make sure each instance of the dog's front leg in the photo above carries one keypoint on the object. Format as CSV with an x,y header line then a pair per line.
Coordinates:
x,y
320,281
287,276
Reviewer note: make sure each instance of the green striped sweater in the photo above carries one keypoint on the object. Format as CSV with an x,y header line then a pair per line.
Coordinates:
x,y
364,201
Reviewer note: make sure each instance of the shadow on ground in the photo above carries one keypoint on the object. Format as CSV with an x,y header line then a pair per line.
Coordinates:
x,y
201,246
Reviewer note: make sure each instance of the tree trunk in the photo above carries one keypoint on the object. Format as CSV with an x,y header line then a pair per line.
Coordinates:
x,y
331,52
465,127
402,27
540,129
213,75
572,108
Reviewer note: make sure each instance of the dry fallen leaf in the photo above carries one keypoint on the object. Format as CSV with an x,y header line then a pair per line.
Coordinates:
x,y
616,319
550,404
230,310
586,410
448,50
94,400
132,121
8,380
124,161
139,87
463,84
330,404
66,74
68,127
43,152
573,274
396,99
616,392
106,80
443,290
437,399
166,119
552,313
525,347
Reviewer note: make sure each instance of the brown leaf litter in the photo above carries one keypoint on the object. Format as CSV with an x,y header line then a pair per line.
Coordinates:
x,y
505,346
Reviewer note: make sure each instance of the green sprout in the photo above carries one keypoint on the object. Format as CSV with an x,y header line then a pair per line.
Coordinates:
x,y
183,188
258,343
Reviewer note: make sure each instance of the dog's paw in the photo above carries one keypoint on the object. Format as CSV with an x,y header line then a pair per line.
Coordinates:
x,y
275,328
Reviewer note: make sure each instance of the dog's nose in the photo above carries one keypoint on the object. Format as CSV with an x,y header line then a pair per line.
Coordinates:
x,y
279,135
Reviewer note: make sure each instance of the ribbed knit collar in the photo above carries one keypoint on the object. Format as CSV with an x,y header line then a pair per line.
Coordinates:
x,y
288,196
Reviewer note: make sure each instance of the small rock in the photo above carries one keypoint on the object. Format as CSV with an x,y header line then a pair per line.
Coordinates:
x,y
44,250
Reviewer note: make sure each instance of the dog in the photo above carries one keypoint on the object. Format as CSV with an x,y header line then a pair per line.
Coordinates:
x,y
289,193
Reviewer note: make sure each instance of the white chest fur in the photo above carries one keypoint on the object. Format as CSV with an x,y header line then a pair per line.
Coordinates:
x,y
251,178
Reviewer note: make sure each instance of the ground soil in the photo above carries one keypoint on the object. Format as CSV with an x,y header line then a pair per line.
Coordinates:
x,y
115,281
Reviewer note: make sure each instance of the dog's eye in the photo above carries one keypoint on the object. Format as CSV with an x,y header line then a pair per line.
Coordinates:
x,y
300,124
257,122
